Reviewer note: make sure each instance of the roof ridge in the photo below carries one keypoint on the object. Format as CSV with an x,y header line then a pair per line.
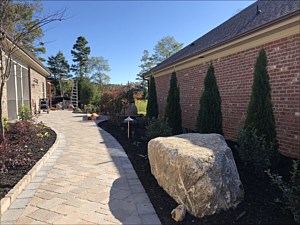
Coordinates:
x,y
258,14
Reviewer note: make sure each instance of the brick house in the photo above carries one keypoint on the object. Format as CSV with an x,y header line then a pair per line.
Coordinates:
x,y
233,47
26,84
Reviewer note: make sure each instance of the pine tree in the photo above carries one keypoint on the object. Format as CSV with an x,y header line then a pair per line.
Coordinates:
x,y
260,110
80,54
173,110
210,115
152,106
59,67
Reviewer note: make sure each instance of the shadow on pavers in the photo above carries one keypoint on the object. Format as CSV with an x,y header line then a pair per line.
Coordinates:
x,y
128,201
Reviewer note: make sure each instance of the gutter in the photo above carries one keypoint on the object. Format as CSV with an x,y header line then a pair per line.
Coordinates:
x,y
29,59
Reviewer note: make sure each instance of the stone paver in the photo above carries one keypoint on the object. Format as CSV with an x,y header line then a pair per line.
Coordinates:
x,y
87,180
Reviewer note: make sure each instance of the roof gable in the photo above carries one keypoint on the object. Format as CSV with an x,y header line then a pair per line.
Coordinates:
x,y
254,16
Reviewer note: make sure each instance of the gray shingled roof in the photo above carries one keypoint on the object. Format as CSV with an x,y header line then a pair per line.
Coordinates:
x,y
30,54
243,22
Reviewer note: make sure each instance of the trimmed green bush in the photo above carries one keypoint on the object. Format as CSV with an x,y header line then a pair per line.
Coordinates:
x,y
5,123
253,152
260,110
210,115
25,113
173,110
260,118
152,106
290,190
158,128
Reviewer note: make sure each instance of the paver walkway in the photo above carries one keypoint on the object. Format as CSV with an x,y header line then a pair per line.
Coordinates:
x,y
88,180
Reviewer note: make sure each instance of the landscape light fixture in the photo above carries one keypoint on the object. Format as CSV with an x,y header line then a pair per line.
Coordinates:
x,y
128,120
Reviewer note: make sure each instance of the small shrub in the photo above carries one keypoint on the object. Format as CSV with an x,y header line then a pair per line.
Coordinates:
x,y
77,110
141,106
5,123
253,151
158,128
290,190
116,120
25,113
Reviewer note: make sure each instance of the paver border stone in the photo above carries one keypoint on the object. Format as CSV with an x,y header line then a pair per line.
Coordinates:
x,y
11,196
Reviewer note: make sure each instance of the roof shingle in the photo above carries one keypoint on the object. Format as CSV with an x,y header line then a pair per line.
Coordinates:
x,y
240,24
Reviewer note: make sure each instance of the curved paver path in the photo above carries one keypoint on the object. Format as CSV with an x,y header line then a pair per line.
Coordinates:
x,y
88,180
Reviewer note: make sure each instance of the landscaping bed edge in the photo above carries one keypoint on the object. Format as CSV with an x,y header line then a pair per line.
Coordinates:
x,y
11,196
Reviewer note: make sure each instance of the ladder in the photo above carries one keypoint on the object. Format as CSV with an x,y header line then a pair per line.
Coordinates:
x,y
74,95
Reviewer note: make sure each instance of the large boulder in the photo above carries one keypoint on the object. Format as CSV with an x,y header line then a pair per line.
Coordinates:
x,y
197,170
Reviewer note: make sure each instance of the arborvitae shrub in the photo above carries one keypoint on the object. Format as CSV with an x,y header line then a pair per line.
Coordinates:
x,y
152,106
260,117
173,110
158,128
210,115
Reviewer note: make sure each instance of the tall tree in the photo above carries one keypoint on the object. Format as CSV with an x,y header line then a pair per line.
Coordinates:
x,y
59,68
87,91
20,15
165,47
98,68
210,115
33,42
14,32
152,106
260,114
80,54
146,65
173,109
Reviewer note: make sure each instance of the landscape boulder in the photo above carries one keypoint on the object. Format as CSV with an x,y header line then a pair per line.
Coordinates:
x,y
129,110
197,170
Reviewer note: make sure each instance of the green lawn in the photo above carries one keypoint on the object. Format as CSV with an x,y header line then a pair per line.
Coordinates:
x,y
141,106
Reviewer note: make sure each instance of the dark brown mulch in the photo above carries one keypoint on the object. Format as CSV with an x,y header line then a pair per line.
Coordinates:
x,y
258,206
25,145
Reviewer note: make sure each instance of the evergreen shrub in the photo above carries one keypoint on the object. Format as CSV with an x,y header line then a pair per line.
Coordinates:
x,y
158,128
209,118
290,190
25,113
152,106
173,110
260,122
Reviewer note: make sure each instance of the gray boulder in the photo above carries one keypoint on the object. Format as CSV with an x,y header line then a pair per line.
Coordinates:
x,y
129,110
197,170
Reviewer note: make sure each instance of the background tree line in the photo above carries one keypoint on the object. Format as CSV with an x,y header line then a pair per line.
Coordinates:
x,y
90,72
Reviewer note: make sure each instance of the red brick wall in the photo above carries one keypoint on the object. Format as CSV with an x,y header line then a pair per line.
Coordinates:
x,y
234,75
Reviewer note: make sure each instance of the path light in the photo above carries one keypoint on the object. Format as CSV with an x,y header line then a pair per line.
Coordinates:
x,y
128,120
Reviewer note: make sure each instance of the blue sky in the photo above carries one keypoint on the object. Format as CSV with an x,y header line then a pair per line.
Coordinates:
x,y
121,30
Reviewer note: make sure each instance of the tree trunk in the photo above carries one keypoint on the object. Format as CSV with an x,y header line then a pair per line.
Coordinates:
x,y
1,119
61,88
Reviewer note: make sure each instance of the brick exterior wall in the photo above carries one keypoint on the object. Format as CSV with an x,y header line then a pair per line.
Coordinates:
x,y
37,87
234,75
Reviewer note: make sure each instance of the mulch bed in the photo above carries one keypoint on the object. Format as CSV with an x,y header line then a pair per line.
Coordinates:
x,y
24,145
258,206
